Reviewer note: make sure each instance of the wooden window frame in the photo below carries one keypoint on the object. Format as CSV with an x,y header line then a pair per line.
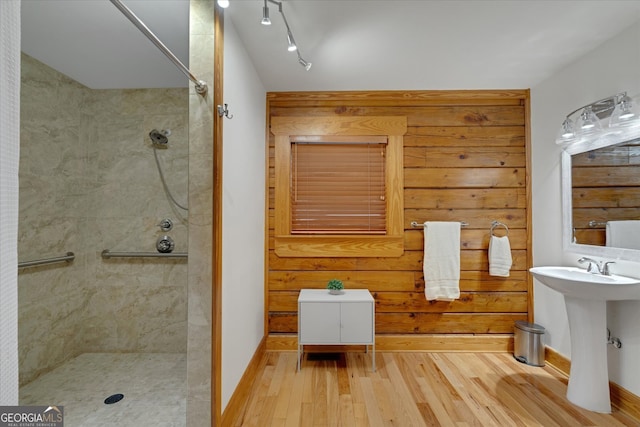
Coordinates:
x,y
347,245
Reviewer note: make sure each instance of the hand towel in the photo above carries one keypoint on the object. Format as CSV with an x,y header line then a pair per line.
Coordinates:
x,y
441,264
623,234
499,256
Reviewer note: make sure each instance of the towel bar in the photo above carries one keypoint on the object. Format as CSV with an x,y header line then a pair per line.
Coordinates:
x,y
417,224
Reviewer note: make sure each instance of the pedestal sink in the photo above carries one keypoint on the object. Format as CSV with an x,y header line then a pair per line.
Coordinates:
x,y
585,296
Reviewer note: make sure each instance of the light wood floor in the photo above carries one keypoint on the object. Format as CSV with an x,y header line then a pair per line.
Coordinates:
x,y
413,389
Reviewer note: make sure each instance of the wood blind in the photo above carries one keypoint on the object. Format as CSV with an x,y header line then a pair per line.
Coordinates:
x,y
338,187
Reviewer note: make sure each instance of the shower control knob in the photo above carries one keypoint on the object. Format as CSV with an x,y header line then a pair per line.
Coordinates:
x,y
166,224
165,244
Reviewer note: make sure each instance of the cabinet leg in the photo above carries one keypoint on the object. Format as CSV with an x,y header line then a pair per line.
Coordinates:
x,y
373,356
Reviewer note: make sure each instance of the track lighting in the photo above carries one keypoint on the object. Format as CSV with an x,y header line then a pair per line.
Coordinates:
x,y
292,46
291,42
265,14
614,114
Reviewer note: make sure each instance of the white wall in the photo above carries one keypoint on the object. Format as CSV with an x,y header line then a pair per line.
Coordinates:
x,y
611,68
243,207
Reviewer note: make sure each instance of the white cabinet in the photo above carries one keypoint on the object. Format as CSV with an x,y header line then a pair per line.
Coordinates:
x,y
348,318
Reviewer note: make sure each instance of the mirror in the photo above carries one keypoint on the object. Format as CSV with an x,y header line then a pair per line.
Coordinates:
x,y
600,187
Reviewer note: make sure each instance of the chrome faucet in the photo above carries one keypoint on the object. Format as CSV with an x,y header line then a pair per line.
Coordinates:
x,y
592,267
596,267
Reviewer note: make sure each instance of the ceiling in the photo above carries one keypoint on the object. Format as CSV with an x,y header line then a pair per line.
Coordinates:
x,y
353,44
92,42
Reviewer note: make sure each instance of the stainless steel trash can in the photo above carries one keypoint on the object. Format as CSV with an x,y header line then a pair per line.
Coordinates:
x,y
527,343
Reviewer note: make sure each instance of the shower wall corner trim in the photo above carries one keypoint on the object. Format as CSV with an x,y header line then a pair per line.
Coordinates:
x,y
9,162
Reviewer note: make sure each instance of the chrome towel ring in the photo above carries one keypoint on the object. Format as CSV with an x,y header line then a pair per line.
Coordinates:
x,y
495,224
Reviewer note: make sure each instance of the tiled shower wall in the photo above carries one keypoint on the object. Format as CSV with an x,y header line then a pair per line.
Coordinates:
x,y
200,390
88,182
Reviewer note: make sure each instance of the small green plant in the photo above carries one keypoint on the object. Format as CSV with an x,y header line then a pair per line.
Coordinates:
x,y
335,285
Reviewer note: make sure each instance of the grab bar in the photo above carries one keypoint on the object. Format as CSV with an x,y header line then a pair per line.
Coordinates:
x,y
108,254
416,224
68,257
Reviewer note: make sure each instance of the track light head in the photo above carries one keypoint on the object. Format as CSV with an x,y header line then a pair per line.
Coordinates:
x,y
265,14
305,64
292,43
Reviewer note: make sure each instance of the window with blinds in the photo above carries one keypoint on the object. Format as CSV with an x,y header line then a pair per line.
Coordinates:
x,y
338,185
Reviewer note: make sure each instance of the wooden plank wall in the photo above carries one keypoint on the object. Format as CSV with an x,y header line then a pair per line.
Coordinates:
x,y
465,159
606,186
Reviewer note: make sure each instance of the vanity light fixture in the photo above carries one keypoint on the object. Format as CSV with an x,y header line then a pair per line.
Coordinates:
x,y
223,3
607,115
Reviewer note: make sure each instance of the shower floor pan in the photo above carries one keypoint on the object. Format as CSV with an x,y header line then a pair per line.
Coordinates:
x,y
154,387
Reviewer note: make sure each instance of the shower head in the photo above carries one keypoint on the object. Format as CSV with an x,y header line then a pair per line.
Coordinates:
x,y
158,138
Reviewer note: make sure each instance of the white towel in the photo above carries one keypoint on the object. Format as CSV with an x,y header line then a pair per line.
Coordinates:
x,y
441,264
623,234
499,256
